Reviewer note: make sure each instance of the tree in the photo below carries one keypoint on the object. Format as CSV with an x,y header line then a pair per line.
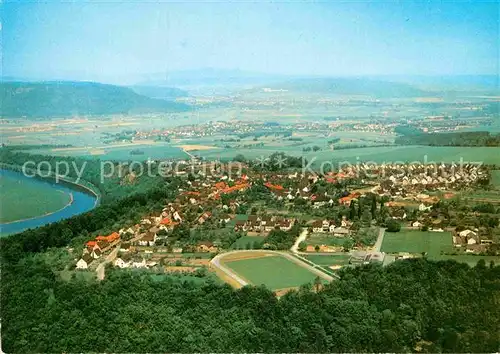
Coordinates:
x,y
302,246
393,226
348,243
316,248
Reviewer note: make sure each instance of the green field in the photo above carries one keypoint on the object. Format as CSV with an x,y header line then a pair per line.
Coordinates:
x,y
387,154
417,242
325,239
275,272
24,198
243,241
329,260
495,178
118,153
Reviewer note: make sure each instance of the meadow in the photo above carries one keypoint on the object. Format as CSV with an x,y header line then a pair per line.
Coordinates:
x,y
118,152
413,241
273,271
329,260
495,178
24,198
324,239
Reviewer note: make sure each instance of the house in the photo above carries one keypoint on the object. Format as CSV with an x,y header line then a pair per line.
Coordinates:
x,y
139,263
240,225
206,246
341,232
270,226
115,236
417,224
325,225
120,263
95,253
467,233
317,226
423,207
83,263
224,218
177,250
331,228
286,225
125,247
148,239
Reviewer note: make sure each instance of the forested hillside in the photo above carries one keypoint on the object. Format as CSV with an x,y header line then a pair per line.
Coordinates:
x,y
66,98
408,306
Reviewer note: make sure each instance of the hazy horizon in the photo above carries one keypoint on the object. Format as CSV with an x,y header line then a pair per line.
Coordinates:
x,y
115,42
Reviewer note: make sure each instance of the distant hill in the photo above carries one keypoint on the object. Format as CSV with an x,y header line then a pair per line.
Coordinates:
x,y
160,92
209,77
459,83
66,98
350,86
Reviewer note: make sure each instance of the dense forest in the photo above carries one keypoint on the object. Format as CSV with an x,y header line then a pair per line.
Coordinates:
x,y
450,139
408,306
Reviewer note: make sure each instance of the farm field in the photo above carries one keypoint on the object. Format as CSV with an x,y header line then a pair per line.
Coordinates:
x,y
329,260
119,153
272,270
413,241
24,198
387,154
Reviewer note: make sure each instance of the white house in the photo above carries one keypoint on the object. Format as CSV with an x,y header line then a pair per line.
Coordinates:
x,y
417,224
467,233
83,263
120,263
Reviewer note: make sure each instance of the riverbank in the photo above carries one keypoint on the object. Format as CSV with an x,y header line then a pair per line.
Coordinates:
x,y
82,199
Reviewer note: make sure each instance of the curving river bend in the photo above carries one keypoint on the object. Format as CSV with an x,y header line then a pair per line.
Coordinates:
x,y
82,202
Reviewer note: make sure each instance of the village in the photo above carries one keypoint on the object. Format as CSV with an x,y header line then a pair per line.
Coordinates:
x,y
344,213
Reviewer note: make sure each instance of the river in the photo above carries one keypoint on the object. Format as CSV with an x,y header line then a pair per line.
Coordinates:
x,y
82,201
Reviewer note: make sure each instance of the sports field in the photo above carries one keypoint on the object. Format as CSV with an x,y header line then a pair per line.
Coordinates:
x,y
329,260
24,198
413,241
272,270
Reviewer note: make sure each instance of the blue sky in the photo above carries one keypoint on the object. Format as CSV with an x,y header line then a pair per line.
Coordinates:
x,y
115,39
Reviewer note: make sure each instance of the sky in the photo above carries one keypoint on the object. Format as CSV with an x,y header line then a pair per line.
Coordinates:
x,y
118,40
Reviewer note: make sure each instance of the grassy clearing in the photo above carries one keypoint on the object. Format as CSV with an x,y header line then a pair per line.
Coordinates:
x,y
274,271
325,239
24,198
417,242
495,178
244,241
329,260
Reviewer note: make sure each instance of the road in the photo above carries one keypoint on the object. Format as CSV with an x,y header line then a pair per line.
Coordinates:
x,y
302,237
380,239
109,258
216,262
